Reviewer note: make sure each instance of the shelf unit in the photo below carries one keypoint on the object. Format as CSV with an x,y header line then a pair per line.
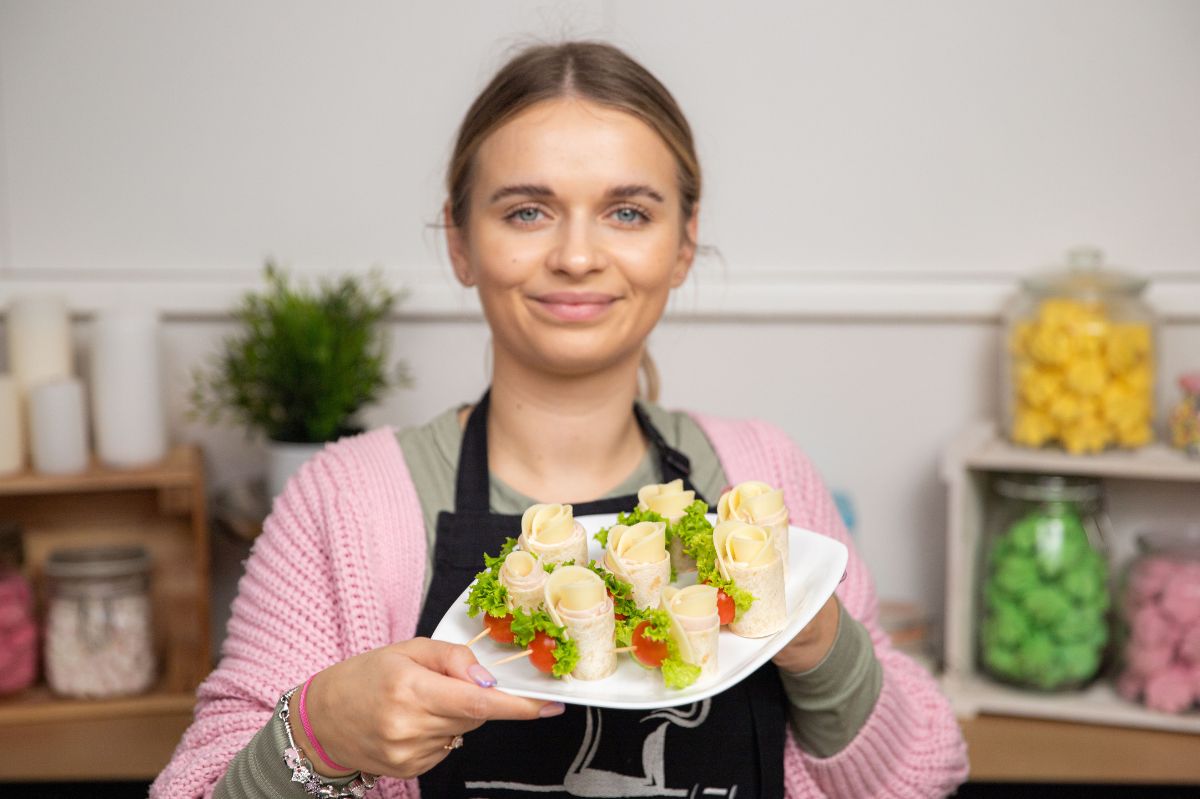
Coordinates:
x,y
162,507
1150,486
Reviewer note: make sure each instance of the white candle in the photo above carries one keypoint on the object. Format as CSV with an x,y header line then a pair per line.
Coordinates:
x,y
127,407
12,431
58,427
39,340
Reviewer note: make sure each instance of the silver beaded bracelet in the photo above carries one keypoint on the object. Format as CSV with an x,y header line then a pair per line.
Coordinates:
x,y
304,773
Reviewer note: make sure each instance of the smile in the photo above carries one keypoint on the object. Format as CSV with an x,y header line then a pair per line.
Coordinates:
x,y
575,306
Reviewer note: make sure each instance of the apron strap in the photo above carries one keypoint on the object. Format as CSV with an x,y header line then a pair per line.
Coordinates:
x,y
472,491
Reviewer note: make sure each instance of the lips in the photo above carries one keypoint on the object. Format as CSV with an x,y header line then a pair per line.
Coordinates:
x,y
575,306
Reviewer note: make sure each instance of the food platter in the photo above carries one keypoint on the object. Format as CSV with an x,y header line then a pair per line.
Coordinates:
x,y
816,564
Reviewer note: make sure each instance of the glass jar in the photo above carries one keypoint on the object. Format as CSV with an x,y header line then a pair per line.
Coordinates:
x,y
18,629
1042,612
1160,633
1079,360
1185,416
99,638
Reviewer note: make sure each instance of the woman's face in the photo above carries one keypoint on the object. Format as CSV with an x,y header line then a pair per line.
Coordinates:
x,y
574,236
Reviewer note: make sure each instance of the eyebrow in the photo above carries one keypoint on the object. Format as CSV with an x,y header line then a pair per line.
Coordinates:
x,y
622,192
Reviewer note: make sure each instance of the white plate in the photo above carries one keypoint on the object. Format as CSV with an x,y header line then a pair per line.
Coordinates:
x,y
816,565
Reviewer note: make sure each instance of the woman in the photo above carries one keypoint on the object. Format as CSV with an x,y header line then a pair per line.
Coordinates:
x,y
572,209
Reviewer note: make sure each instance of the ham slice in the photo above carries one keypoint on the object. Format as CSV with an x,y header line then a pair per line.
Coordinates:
x,y
638,555
550,533
695,624
522,574
747,555
670,501
577,599
759,504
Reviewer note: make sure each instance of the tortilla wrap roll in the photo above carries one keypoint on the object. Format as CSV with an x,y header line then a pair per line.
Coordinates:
x,y
576,598
525,580
670,501
695,624
746,555
550,533
757,503
638,555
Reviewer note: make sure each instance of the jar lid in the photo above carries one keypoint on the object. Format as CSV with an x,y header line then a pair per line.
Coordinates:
x,y
97,563
12,548
1084,276
1048,488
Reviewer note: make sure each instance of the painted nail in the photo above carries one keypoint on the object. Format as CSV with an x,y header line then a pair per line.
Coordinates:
x,y
482,677
552,709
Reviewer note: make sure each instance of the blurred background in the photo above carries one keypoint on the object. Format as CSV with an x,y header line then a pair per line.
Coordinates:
x,y
882,182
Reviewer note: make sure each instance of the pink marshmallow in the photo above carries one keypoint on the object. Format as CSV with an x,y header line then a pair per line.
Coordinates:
x,y
1171,691
1180,599
1149,661
1149,578
1195,671
1129,685
1189,645
1152,629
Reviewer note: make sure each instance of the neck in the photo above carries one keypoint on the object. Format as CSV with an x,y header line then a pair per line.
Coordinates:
x,y
563,439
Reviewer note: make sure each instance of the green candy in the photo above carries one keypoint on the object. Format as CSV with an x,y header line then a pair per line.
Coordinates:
x,y
1079,661
1080,625
1016,574
1009,624
1085,585
1036,656
1024,534
1046,605
1002,662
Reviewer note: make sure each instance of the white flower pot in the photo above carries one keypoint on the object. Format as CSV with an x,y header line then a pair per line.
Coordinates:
x,y
285,459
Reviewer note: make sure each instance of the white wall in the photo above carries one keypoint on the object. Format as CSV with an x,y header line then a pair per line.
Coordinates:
x,y
877,174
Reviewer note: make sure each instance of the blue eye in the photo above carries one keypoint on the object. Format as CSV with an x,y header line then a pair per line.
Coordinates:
x,y
630,216
527,214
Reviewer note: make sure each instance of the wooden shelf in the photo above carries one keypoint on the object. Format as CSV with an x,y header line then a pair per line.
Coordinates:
x,y
161,508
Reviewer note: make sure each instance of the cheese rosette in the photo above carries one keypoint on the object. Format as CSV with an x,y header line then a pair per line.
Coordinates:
x,y
757,503
577,599
638,555
670,501
746,555
525,580
550,532
695,624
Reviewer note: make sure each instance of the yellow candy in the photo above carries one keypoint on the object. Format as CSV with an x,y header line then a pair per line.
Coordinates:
x,y
1039,386
1136,434
1086,435
1032,427
1065,408
1086,376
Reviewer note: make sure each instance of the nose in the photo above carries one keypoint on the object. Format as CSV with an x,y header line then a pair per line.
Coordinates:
x,y
577,252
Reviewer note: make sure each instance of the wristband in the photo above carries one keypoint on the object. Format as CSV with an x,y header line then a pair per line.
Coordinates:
x,y
303,771
308,730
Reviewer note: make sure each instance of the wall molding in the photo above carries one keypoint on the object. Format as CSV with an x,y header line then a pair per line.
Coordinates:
x,y
758,295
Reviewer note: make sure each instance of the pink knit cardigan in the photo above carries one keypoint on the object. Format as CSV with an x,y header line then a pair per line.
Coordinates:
x,y
339,567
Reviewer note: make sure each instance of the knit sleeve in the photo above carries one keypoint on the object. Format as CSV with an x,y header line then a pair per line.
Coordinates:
x,y
911,744
290,620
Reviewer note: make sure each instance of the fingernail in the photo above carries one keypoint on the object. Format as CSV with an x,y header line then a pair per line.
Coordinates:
x,y
552,709
482,677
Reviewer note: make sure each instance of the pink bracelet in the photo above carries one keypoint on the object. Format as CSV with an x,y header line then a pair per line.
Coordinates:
x,y
308,730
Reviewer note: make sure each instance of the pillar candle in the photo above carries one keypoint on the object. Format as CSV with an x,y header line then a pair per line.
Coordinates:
x,y
127,407
39,340
58,427
12,431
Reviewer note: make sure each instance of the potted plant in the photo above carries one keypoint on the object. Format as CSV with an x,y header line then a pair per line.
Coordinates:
x,y
302,365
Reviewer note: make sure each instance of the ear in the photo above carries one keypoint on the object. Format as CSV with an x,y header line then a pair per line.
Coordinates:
x,y
456,245
687,249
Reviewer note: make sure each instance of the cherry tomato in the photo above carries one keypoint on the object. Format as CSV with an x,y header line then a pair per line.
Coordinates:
x,y
726,608
499,629
645,651
543,647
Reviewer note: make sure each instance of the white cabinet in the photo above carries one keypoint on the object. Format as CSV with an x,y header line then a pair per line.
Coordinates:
x,y
1153,486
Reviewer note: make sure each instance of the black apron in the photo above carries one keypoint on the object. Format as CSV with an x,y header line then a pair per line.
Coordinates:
x,y
731,744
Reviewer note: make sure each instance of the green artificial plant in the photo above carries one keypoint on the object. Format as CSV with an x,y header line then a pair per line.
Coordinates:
x,y
305,361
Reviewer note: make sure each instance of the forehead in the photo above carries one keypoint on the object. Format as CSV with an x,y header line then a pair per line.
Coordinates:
x,y
573,144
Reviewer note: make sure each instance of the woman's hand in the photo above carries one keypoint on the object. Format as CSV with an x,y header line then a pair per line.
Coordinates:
x,y
391,711
811,644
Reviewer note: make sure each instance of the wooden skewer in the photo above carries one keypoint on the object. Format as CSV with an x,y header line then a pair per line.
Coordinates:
x,y
624,649
482,634
511,658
